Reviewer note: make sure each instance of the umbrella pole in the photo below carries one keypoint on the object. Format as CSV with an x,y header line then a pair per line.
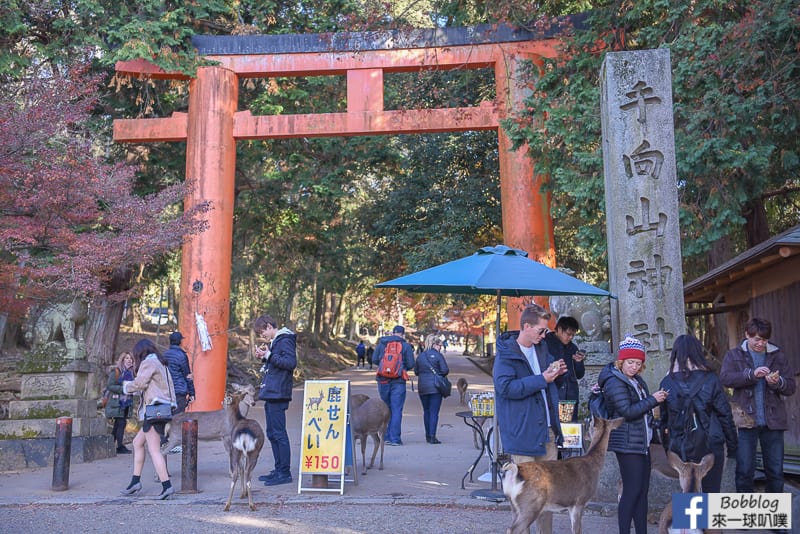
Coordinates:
x,y
493,494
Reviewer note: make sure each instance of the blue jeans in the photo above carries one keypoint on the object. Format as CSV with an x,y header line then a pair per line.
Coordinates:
x,y
393,393
430,413
772,453
275,413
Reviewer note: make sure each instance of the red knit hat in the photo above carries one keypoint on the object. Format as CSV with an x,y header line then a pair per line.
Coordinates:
x,y
631,348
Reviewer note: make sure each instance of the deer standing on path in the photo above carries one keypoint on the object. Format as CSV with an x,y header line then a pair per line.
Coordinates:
x,y
553,486
245,439
370,419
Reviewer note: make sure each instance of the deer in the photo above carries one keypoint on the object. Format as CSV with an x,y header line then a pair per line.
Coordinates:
x,y
312,401
690,476
462,386
553,486
370,419
245,438
210,425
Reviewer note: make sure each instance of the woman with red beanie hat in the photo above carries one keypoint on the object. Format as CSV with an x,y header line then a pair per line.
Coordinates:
x,y
627,396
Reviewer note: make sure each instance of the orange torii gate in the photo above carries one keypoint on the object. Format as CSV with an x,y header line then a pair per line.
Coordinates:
x,y
213,125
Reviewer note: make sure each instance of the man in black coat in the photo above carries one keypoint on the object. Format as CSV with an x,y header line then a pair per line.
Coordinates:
x,y
178,364
561,347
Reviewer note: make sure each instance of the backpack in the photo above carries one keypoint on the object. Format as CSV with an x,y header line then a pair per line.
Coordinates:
x,y
391,364
597,404
692,441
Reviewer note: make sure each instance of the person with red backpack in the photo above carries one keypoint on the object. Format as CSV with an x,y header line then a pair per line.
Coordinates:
x,y
394,358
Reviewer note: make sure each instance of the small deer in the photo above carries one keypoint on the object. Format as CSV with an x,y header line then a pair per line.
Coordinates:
x,y
553,486
245,439
690,476
315,401
210,425
462,386
370,419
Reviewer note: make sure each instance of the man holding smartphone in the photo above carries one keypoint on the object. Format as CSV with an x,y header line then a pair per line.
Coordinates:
x,y
561,347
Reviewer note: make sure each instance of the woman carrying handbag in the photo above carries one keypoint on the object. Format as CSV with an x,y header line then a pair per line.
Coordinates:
x,y
119,405
154,383
429,364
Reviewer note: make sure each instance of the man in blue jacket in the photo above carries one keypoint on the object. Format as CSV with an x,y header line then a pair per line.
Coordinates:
x,y
393,390
178,363
526,397
279,357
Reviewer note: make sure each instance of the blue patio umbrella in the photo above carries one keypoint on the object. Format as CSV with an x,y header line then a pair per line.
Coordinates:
x,y
498,270
501,271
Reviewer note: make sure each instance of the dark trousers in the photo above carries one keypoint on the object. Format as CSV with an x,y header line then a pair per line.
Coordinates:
x,y
771,451
634,470
182,401
275,413
430,413
712,482
119,430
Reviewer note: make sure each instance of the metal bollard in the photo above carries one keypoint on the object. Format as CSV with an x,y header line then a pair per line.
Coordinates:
x,y
61,454
189,456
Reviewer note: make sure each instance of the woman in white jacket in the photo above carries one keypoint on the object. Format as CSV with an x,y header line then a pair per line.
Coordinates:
x,y
154,384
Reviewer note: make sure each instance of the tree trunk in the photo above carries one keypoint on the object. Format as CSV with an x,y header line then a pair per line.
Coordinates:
x,y
756,226
102,328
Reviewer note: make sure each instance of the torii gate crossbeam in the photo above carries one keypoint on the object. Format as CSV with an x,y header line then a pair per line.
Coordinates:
x,y
213,125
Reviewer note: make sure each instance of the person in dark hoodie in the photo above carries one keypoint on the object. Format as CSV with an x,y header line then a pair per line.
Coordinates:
x,y
526,396
279,357
393,390
688,368
627,396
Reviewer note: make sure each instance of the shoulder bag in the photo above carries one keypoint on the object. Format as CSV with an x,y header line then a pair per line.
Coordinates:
x,y
441,383
158,412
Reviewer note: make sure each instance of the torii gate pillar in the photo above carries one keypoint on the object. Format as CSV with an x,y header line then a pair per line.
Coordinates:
x,y
210,165
213,126
527,224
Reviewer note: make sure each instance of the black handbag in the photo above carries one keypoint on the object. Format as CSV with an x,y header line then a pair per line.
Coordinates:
x,y
441,383
158,413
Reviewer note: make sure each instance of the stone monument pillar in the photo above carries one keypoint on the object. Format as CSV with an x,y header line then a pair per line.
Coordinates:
x,y
644,252
55,383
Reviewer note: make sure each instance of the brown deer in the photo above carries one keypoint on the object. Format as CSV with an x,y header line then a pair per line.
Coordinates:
x,y
553,486
690,476
370,419
245,439
210,425
462,386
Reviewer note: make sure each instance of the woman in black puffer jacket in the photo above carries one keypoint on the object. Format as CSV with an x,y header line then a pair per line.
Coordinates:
x,y
627,396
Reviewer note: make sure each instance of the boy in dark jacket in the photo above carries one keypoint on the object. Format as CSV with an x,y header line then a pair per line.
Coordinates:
x,y
760,376
178,364
279,355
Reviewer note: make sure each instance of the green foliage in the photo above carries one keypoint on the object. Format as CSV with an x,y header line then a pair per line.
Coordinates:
x,y
736,94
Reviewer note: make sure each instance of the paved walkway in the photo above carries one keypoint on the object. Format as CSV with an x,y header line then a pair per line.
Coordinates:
x,y
415,474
